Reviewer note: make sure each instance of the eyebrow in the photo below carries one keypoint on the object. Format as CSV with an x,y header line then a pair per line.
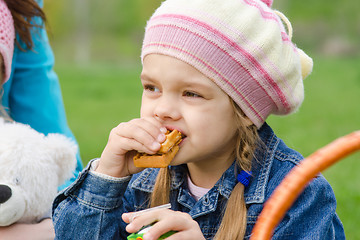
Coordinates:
x,y
144,76
201,84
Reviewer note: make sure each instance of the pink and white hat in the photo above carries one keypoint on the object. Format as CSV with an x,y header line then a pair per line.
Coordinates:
x,y
242,45
7,37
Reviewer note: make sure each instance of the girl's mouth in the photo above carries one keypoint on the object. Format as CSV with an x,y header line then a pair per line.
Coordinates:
x,y
183,137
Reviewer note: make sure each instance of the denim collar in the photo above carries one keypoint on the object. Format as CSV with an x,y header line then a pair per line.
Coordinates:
x,y
264,156
146,180
254,193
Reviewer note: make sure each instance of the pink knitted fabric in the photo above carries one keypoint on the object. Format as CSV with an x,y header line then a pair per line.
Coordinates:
x,y
268,2
7,36
242,45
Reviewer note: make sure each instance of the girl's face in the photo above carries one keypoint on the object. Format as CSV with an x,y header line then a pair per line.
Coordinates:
x,y
182,98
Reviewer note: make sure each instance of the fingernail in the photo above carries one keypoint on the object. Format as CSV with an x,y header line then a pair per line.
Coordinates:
x,y
155,145
163,130
161,138
128,216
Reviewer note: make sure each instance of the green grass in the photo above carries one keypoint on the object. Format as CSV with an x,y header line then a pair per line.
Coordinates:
x,y
97,98
100,96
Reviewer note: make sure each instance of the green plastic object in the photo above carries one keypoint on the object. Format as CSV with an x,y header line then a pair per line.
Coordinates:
x,y
139,235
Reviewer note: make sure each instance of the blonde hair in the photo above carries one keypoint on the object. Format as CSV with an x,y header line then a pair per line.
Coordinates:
x,y
233,224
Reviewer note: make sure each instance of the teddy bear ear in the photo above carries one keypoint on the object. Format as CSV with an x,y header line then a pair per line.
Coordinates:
x,y
64,151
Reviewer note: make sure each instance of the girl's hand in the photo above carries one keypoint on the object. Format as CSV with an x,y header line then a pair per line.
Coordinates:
x,y
165,220
143,135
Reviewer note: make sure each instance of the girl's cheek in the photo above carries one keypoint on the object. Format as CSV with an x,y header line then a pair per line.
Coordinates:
x,y
147,108
144,111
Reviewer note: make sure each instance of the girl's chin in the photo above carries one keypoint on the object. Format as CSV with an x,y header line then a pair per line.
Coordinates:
x,y
175,162
178,160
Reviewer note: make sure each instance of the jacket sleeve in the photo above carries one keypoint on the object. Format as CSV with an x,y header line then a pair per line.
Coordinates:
x,y
33,95
312,216
91,208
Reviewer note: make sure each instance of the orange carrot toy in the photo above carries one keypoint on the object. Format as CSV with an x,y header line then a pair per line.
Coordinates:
x,y
296,180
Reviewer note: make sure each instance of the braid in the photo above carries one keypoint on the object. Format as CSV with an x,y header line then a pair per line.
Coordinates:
x,y
161,192
247,140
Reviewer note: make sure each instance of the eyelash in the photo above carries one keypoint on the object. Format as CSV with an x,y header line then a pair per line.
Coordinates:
x,y
150,88
190,94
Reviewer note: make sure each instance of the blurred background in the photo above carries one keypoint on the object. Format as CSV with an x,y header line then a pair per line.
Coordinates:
x,y
97,51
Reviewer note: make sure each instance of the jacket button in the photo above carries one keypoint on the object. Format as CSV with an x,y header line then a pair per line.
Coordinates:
x,y
206,201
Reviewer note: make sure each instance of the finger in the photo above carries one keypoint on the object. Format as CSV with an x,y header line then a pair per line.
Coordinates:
x,y
136,222
130,216
146,133
126,217
125,145
156,123
166,222
184,227
142,135
186,235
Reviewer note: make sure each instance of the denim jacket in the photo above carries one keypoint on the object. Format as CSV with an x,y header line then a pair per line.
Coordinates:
x,y
92,206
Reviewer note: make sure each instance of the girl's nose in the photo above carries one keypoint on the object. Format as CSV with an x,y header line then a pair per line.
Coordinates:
x,y
167,108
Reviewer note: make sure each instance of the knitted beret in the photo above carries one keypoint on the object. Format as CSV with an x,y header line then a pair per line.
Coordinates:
x,y
242,45
7,36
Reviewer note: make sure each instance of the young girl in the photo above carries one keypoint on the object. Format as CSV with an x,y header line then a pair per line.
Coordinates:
x,y
214,70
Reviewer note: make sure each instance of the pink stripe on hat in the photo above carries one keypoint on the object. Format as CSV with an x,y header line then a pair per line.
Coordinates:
x,y
264,13
268,2
227,42
202,29
7,36
242,91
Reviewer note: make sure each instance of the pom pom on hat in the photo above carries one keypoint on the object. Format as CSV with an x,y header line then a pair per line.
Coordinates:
x,y
306,63
7,37
242,45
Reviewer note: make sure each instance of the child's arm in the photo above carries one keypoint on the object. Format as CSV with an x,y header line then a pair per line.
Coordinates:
x,y
93,205
166,220
91,208
43,230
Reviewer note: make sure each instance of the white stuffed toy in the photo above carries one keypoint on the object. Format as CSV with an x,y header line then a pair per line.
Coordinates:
x,y
32,167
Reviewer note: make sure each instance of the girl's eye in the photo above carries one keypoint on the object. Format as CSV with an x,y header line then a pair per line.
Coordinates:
x,y
191,94
151,88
